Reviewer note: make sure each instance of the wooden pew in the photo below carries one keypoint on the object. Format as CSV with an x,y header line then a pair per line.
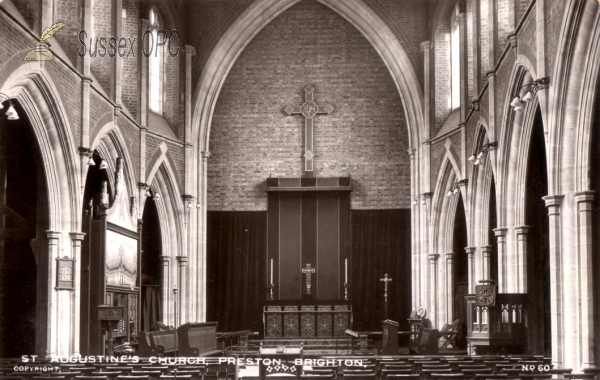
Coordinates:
x,y
164,341
198,339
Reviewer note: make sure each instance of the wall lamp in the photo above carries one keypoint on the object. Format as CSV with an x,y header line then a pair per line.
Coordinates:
x,y
477,158
424,197
10,112
189,200
149,191
518,103
90,153
456,187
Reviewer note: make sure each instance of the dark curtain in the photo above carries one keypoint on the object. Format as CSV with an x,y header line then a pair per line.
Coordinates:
x,y
236,274
151,307
380,244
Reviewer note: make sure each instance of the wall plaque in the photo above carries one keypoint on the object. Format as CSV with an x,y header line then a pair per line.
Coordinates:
x,y
109,313
65,273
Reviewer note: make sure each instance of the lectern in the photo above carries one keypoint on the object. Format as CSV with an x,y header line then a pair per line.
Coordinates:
x,y
389,344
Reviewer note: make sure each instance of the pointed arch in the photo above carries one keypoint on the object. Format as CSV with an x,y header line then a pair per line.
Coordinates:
x,y
259,14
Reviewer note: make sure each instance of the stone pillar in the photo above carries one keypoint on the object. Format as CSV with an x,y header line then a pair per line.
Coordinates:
x,y
520,263
183,288
502,259
165,289
433,286
471,260
201,291
76,239
450,282
52,334
486,263
554,202
415,258
585,205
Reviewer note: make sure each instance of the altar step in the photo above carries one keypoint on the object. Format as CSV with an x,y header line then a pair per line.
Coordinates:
x,y
314,346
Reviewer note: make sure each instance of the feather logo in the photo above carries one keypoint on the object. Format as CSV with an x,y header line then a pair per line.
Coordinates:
x,y
40,52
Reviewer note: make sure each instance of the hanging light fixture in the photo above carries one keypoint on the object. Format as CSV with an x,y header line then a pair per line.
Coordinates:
x,y
103,165
518,103
91,161
156,196
11,113
477,158
455,189
423,197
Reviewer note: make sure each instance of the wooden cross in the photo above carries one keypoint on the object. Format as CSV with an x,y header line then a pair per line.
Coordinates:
x,y
309,270
385,280
308,109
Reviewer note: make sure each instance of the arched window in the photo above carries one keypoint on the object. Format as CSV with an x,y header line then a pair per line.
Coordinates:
x,y
156,64
454,59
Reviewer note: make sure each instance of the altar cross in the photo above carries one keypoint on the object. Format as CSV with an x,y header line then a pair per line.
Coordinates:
x,y
308,109
385,280
309,270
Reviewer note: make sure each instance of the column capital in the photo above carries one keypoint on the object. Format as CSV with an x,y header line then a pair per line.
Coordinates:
x,y
52,235
584,196
450,256
425,45
500,231
183,260
486,248
553,200
411,153
77,236
470,250
205,155
190,50
521,230
165,258
433,256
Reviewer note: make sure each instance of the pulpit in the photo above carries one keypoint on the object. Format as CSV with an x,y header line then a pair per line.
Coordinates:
x,y
496,322
389,343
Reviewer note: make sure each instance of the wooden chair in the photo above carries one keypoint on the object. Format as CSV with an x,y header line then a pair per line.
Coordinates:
x,y
535,376
414,376
95,378
362,376
442,376
387,371
316,376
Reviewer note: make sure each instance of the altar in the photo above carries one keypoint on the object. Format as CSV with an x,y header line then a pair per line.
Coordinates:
x,y
297,318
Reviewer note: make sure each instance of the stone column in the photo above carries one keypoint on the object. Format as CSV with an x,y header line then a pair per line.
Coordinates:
x,y
52,333
76,239
450,260
201,291
433,286
585,205
415,258
471,260
486,264
502,259
183,288
520,262
476,50
165,289
554,202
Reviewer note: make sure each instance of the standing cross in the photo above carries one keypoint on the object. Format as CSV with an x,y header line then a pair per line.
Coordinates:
x,y
385,280
309,270
308,109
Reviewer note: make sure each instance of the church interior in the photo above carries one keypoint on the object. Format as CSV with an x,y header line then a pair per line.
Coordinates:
x,y
410,181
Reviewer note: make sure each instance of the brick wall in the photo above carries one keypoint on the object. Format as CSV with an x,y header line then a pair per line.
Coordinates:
x,y
31,10
484,40
209,20
441,75
470,25
406,19
71,13
101,67
130,81
366,136
554,18
503,26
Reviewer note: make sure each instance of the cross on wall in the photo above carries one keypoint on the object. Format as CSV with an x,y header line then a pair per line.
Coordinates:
x,y
309,109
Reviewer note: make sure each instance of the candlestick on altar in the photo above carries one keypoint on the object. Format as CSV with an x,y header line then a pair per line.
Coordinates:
x,y
270,295
346,272
271,271
346,286
385,280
